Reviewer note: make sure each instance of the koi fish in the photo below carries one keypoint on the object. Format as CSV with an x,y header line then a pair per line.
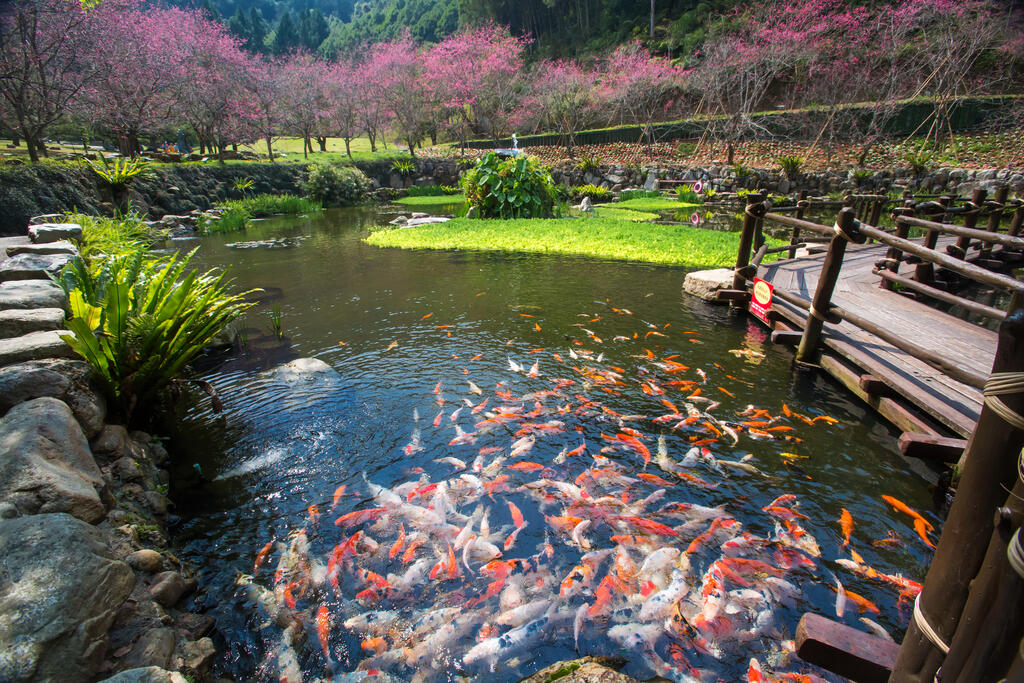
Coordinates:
x,y
900,506
261,556
323,629
358,517
846,524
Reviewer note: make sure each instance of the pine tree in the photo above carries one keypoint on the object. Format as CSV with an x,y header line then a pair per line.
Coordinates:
x,y
286,38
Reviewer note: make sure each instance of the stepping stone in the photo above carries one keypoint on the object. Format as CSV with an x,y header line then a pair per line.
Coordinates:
x,y
34,346
32,266
31,294
706,283
16,322
46,218
54,232
61,247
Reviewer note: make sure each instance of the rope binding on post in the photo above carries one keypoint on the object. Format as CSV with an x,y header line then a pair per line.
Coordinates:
x,y
1015,554
926,628
1002,384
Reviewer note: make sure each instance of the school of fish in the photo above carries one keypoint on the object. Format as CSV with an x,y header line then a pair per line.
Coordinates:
x,y
637,544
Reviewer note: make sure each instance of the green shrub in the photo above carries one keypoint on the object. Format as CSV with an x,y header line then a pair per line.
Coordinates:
x,y
336,185
741,171
231,219
686,194
139,320
111,235
919,158
433,190
263,205
509,188
597,194
403,167
588,163
626,195
791,165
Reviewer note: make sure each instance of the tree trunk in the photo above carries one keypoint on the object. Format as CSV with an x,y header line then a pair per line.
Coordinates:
x,y
348,147
33,149
373,140
412,148
652,18
732,152
322,141
270,149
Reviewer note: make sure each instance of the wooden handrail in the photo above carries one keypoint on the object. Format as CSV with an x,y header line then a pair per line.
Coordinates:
x,y
960,231
968,270
799,223
909,283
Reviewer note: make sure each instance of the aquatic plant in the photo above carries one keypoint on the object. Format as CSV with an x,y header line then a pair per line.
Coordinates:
x,y
275,320
509,188
597,194
138,320
336,185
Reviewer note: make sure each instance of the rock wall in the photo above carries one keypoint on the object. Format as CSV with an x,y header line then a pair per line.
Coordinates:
x,y
725,179
88,584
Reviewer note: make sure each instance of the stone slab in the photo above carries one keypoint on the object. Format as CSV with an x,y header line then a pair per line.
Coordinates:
x,y
59,247
46,218
54,232
32,266
21,294
17,322
705,283
34,346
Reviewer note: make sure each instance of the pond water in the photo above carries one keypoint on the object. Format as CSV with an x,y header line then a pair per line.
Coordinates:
x,y
681,571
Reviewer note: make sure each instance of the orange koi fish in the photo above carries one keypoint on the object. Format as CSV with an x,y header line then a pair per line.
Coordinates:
x,y
922,531
410,552
517,516
846,524
377,645
578,451
428,315
338,493
649,526
863,604
358,517
727,392
526,466
397,547
891,540
323,628
392,345
314,513
654,479
261,556
900,506
563,525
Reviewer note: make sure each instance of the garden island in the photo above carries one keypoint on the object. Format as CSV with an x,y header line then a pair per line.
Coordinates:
x,y
469,340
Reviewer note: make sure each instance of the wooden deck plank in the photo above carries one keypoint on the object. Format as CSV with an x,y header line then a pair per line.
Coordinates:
x,y
951,403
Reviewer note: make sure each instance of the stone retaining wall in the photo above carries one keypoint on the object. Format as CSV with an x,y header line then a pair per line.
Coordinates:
x,y
88,585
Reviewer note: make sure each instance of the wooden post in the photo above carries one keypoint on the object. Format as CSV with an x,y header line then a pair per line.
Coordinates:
x,y
755,203
925,272
1018,219
876,212
894,255
988,469
1016,672
801,207
992,622
846,231
970,220
997,204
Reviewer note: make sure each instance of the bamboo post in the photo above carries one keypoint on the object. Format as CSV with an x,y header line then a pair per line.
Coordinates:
x,y
997,204
992,622
925,272
894,255
846,230
988,469
755,204
801,207
970,220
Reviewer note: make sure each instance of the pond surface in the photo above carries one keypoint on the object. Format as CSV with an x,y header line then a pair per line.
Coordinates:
x,y
683,565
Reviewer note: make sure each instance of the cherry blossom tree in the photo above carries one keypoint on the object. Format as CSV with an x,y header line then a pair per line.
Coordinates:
x,y
46,50
563,97
401,88
305,88
267,90
346,102
641,86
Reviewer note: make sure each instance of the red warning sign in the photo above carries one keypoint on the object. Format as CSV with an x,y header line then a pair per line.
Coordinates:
x,y
761,301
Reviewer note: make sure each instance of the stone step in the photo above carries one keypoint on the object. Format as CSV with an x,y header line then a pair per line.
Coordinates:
x,y
34,346
17,322
46,218
54,232
61,247
32,266
23,294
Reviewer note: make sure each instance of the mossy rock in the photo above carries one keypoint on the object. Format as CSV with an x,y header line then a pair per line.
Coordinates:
x,y
583,670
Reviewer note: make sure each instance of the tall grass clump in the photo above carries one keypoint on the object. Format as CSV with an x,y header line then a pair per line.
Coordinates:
x,y
235,213
139,319
102,235
433,190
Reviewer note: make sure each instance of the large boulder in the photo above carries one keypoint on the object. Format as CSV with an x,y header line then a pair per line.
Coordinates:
x,y
45,462
60,589
67,380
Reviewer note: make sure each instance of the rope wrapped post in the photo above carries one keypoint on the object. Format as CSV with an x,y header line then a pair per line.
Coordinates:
x,y
801,208
846,230
970,221
996,215
992,622
989,468
755,206
894,255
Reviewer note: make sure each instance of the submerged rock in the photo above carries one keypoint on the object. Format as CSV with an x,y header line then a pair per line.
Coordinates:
x,y
45,462
60,590
584,670
304,371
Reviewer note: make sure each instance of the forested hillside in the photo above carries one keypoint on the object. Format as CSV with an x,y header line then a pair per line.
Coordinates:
x,y
558,27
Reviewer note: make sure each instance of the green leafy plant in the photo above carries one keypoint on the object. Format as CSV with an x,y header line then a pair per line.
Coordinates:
x,y
138,321
597,194
919,158
116,174
741,171
102,235
509,188
686,194
403,167
336,185
235,213
243,185
791,165
275,320
588,163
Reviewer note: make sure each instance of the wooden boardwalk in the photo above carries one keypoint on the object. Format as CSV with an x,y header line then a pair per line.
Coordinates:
x,y
945,400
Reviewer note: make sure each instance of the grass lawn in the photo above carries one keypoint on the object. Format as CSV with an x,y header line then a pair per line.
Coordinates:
x,y
445,200
613,211
609,238
652,204
335,150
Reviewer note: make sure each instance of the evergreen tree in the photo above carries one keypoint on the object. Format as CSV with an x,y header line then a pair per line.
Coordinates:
x,y
287,37
210,12
258,29
314,28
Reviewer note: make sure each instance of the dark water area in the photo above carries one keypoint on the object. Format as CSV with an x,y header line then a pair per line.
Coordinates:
x,y
394,325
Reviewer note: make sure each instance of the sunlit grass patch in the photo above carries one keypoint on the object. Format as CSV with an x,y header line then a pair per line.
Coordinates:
x,y
440,200
600,237
653,204
605,211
